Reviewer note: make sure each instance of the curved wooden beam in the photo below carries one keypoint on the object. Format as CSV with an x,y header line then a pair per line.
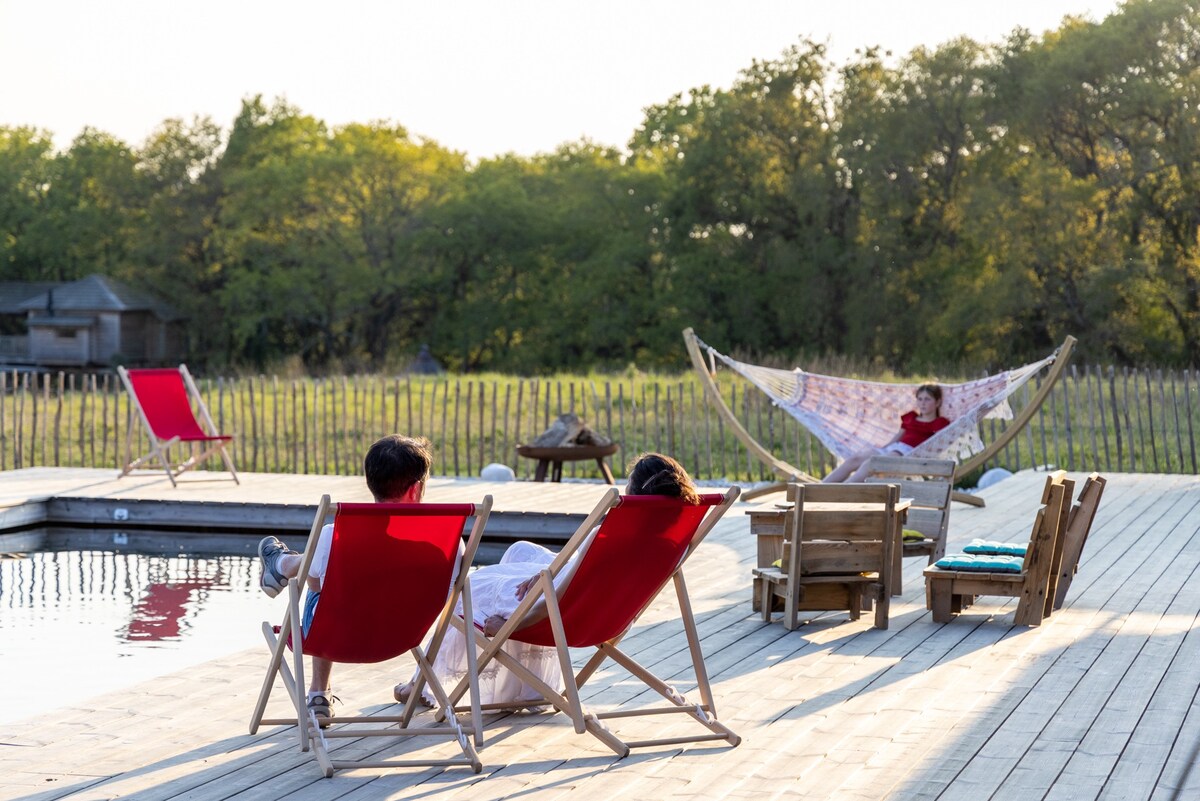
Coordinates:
x,y
781,468
1031,408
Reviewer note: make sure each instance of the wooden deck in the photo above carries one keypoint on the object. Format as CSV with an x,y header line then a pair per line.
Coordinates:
x,y
1099,702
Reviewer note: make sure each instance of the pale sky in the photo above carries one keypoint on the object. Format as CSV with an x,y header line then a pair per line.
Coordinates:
x,y
484,77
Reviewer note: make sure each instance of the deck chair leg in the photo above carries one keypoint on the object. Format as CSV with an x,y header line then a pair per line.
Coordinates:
x,y
693,638
321,749
277,665
299,694
128,460
443,701
229,464
564,656
162,453
597,729
705,716
594,663
472,668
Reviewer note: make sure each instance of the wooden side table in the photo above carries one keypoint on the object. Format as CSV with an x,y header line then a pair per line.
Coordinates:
x,y
550,460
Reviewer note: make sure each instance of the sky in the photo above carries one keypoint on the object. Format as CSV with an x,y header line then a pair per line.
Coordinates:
x,y
483,77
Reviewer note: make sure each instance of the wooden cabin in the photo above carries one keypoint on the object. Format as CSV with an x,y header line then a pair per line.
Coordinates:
x,y
94,321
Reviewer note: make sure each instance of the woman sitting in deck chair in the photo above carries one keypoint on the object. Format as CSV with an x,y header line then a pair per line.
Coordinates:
x,y
498,589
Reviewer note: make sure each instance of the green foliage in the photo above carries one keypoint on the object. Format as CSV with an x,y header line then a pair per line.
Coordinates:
x,y
970,204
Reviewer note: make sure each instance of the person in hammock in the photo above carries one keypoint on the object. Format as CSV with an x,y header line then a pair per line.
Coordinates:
x,y
497,589
915,427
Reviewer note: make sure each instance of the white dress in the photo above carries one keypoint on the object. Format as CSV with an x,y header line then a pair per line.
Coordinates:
x,y
494,592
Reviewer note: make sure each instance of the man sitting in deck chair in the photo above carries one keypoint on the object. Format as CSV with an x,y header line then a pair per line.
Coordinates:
x,y
590,595
396,469
379,577
163,399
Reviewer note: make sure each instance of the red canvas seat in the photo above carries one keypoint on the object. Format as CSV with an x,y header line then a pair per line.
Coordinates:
x,y
388,582
643,543
163,398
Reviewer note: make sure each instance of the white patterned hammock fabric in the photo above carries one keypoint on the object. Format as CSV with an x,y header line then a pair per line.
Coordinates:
x,y
850,416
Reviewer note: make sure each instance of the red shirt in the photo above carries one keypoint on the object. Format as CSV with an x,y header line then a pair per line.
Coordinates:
x,y
917,431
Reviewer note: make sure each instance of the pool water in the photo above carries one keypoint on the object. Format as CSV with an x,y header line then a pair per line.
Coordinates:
x,y
75,624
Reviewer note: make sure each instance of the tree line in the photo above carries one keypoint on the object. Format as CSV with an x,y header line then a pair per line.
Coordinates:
x,y
968,204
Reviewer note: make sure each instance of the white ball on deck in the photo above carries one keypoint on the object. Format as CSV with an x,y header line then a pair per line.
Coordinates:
x,y
497,472
993,476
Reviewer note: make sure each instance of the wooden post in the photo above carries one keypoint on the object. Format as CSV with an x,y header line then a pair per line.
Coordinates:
x,y
454,436
3,434
492,436
445,412
516,440
1187,396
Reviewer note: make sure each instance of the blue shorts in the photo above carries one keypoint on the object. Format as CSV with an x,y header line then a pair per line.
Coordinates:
x,y
310,609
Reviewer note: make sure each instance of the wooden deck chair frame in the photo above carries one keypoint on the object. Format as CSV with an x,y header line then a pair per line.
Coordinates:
x,y
161,443
568,701
310,734
949,592
1079,525
790,473
928,484
837,566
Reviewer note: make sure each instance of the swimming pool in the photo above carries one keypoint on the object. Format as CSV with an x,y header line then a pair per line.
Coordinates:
x,y
78,623
89,611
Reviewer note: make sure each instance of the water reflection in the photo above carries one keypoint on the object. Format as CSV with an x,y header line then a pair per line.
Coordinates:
x,y
144,597
78,623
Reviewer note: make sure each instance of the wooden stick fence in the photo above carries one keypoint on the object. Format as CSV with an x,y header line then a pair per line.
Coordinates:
x,y
1096,418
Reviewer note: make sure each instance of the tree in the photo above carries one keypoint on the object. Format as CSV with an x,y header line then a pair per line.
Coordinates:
x,y
759,222
25,158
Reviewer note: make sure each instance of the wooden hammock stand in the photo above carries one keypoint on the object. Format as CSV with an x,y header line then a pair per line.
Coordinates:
x,y
787,472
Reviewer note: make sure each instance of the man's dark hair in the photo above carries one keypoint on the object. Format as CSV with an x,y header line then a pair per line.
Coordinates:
x,y
395,463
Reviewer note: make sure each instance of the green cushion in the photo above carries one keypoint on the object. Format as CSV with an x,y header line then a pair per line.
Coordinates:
x,y
912,535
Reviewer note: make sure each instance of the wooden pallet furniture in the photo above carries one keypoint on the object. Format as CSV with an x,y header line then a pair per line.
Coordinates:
x,y
837,552
927,484
1079,525
949,591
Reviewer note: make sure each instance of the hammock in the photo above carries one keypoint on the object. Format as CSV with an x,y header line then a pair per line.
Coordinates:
x,y
850,416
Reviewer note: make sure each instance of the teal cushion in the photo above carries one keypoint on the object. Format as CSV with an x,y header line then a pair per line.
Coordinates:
x,y
981,563
993,548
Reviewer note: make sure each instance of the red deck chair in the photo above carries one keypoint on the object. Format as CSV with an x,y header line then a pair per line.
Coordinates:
x,y
642,544
387,583
163,398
